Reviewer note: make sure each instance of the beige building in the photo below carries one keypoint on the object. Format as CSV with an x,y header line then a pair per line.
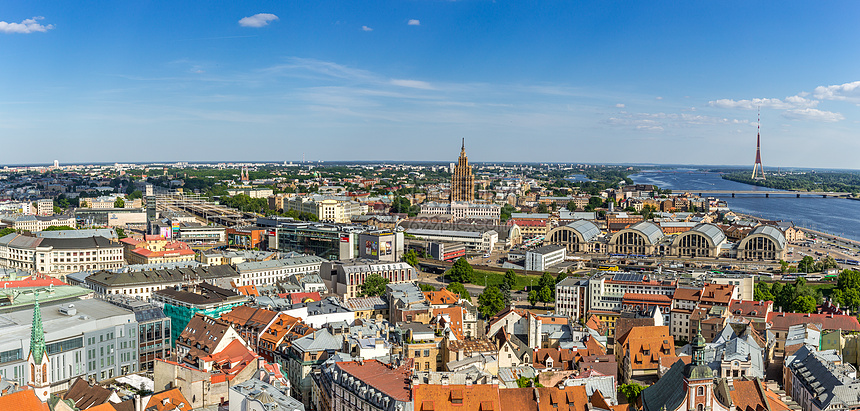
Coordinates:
x,y
462,182
109,202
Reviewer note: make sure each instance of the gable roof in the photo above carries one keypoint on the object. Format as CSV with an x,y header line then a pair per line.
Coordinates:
x,y
202,335
85,395
24,400
477,397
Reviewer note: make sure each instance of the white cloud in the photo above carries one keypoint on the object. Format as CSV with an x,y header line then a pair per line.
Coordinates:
x,y
792,102
412,84
365,28
847,91
26,26
619,105
813,115
659,98
258,20
414,22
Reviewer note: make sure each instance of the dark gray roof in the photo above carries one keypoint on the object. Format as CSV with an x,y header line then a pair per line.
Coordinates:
x,y
88,242
114,279
666,392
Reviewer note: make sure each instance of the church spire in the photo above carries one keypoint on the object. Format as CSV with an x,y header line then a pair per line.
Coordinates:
x,y
463,147
37,333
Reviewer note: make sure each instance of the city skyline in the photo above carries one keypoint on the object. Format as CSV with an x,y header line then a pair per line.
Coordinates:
x,y
572,83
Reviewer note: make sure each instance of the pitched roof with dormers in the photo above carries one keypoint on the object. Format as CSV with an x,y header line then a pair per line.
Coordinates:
x,y
781,321
441,297
476,397
169,400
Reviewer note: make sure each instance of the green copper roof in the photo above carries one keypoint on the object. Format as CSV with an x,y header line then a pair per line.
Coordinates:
x,y
37,334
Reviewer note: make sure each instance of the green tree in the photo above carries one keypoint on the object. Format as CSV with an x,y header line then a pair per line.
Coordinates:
x,y
545,295
547,281
459,288
762,292
533,297
510,279
373,286
135,195
120,233
806,265
595,202
6,231
631,391
507,210
803,304
119,203
828,263
461,271
571,205
541,208
490,301
848,279
426,287
648,211
560,277
411,258
58,228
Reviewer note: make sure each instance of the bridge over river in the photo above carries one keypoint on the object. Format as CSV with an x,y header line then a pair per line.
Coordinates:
x,y
763,193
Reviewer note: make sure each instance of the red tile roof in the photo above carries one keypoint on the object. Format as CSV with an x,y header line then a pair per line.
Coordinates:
x,y
746,308
232,359
393,382
717,294
174,399
24,400
441,297
754,396
519,399
477,397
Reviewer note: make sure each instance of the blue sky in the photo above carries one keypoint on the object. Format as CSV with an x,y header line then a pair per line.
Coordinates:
x,y
602,81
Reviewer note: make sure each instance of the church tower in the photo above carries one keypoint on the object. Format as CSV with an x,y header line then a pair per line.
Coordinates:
x,y
699,380
462,182
37,361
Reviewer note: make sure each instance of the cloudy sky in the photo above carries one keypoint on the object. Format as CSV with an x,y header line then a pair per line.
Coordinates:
x,y
549,81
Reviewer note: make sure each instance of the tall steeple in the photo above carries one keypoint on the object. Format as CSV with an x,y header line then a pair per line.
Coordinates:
x,y
37,333
38,360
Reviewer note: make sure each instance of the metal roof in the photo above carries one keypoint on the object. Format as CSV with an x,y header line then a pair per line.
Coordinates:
x,y
649,230
772,232
586,229
710,231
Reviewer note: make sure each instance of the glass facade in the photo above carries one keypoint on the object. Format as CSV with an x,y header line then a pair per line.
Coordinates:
x,y
317,241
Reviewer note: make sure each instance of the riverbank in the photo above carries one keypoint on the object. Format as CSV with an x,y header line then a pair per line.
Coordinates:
x,y
808,231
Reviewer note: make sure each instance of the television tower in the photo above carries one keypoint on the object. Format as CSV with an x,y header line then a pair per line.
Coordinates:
x,y
757,166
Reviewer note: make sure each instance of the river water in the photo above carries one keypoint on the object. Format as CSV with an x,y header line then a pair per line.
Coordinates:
x,y
831,215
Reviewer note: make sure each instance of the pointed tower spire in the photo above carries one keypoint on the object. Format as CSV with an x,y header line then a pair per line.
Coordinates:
x,y
37,333
757,167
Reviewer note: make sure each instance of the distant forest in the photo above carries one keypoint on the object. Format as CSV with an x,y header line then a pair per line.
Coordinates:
x,y
808,181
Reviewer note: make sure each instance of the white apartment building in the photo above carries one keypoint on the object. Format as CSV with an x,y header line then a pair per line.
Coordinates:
x,y
60,256
463,209
473,240
606,291
34,223
544,257
570,297
270,272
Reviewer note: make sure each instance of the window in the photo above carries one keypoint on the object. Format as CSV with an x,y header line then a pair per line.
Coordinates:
x,y
700,391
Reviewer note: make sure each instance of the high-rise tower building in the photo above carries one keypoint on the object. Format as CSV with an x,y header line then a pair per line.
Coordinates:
x,y
462,182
